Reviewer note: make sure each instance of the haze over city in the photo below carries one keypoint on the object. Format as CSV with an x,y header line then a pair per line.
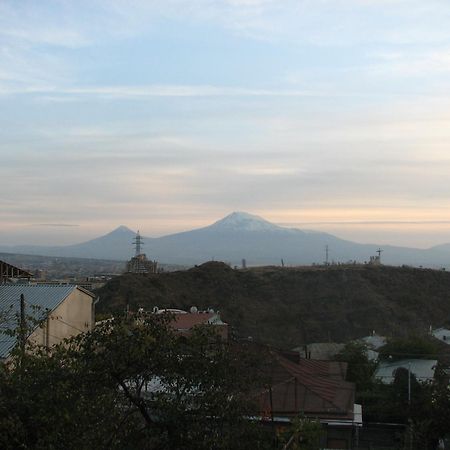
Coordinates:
x,y
167,115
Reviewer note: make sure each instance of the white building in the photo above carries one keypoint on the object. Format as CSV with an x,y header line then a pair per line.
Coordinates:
x,y
443,334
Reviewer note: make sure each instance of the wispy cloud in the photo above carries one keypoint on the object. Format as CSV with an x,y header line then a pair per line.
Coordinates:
x,y
136,92
56,225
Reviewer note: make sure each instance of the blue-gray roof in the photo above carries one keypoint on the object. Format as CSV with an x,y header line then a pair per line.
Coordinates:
x,y
44,298
423,369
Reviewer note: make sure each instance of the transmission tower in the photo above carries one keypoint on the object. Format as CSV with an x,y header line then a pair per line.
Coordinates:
x,y
138,242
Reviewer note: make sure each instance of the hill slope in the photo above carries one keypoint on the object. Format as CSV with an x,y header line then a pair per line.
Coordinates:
x,y
288,307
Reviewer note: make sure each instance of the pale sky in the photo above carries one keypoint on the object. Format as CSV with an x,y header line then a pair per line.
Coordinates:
x,y
165,115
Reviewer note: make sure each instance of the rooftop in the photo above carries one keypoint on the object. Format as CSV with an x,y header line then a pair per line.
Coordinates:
x,y
39,301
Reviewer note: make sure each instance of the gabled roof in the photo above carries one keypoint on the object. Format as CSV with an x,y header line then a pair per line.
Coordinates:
x,y
374,341
39,301
316,388
443,334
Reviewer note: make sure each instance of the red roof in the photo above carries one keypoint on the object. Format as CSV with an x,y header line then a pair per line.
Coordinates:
x,y
190,320
316,388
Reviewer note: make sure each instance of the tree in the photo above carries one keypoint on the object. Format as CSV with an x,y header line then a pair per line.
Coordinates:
x,y
360,369
132,384
304,434
410,347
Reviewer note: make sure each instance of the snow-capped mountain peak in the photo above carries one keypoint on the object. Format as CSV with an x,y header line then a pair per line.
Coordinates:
x,y
244,221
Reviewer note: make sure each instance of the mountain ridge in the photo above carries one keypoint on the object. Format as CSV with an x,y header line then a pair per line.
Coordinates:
x,y
240,236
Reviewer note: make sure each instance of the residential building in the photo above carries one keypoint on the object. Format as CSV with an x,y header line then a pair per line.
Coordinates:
x,y
183,321
422,369
443,334
52,313
316,389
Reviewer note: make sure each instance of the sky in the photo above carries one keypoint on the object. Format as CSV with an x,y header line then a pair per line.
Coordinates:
x,y
166,115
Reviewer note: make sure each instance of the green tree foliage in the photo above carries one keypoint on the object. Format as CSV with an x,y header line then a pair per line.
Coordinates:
x,y
419,347
360,369
129,385
304,434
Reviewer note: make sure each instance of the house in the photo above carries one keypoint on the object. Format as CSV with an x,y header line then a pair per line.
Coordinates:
x,y
443,334
183,322
52,313
373,343
316,389
422,369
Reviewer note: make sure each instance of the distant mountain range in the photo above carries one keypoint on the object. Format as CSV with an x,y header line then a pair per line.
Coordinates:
x,y
241,236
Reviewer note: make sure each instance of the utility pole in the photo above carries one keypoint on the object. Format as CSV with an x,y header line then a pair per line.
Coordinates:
x,y
409,383
326,254
409,407
22,331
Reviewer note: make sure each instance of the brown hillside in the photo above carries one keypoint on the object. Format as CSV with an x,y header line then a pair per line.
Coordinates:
x,y
291,306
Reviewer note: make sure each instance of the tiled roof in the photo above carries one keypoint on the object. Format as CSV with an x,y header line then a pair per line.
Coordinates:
x,y
39,299
190,320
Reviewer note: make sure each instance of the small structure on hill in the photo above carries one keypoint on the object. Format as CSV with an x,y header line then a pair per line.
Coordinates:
x,y
139,262
376,260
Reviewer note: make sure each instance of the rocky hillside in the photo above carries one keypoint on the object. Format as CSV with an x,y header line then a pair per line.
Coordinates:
x,y
291,306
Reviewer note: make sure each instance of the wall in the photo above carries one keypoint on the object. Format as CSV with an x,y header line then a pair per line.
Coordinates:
x,y
71,317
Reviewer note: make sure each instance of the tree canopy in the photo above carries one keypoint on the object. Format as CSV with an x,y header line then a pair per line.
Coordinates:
x,y
131,384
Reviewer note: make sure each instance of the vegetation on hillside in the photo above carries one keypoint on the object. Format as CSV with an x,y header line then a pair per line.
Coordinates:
x,y
288,306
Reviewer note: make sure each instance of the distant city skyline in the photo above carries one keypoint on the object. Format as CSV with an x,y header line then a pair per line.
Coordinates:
x,y
164,116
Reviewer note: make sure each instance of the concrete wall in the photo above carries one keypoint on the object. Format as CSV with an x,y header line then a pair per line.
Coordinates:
x,y
73,316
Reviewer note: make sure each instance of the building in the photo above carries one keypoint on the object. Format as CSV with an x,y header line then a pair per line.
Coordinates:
x,y
52,313
139,262
443,334
316,389
422,369
183,322
9,272
325,351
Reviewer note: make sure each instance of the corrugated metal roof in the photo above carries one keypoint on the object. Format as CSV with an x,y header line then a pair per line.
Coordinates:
x,y
39,299
308,386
